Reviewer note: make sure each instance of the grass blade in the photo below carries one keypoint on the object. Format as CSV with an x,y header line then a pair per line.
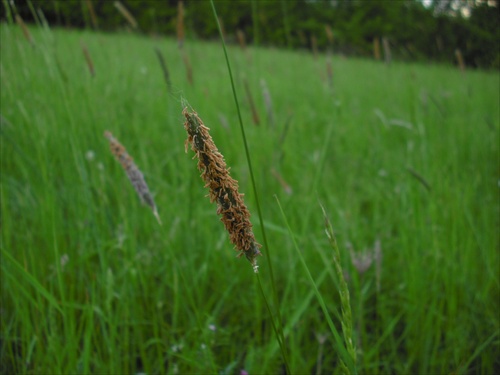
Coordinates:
x,y
30,279
279,331
345,356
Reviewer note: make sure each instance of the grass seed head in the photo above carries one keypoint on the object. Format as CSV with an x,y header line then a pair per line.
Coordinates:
x,y
93,16
88,59
133,173
24,28
223,189
126,14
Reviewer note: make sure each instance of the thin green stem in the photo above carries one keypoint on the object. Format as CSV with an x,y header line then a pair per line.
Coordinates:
x,y
8,12
281,338
286,23
279,331
344,355
344,292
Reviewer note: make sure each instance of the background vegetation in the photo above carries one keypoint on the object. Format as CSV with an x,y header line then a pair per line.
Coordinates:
x,y
415,31
404,157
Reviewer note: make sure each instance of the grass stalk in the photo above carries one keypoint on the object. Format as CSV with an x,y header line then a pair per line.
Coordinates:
x,y
286,188
268,103
251,103
314,46
34,13
164,69
343,290
93,16
387,50
255,23
329,70
189,68
24,28
24,274
347,363
286,23
180,24
329,36
88,59
126,14
376,48
460,60
8,12
278,329
240,35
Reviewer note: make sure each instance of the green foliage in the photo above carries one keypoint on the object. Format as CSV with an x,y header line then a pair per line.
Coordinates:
x,y
90,283
415,32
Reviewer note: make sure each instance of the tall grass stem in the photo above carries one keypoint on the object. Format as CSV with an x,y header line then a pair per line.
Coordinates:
x,y
344,355
343,290
279,329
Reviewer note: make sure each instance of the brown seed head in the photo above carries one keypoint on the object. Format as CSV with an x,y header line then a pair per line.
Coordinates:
x,y
223,189
133,173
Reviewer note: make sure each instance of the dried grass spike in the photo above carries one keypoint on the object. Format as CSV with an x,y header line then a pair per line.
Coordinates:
x,y
88,59
240,35
314,46
387,50
24,28
126,14
223,188
164,69
282,182
329,34
93,16
189,69
267,102
460,60
251,103
134,174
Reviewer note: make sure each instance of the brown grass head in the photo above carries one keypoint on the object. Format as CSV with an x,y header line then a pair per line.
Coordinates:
x,y
240,35
329,34
126,14
24,28
460,60
223,189
189,68
88,59
93,16
133,173
251,103
314,46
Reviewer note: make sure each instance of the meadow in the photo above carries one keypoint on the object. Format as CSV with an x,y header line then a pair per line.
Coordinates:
x,y
404,158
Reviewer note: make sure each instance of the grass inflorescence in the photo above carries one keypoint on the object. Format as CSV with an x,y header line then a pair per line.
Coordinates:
x,y
223,188
133,173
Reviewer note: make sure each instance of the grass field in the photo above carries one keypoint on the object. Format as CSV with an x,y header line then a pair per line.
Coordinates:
x,y
404,158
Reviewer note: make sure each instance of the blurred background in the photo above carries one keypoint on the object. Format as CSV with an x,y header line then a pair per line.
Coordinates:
x,y
415,30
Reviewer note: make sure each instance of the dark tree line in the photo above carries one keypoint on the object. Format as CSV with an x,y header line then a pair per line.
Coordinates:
x,y
414,31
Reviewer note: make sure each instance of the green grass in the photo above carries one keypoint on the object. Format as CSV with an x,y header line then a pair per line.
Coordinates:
x,y
90,283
